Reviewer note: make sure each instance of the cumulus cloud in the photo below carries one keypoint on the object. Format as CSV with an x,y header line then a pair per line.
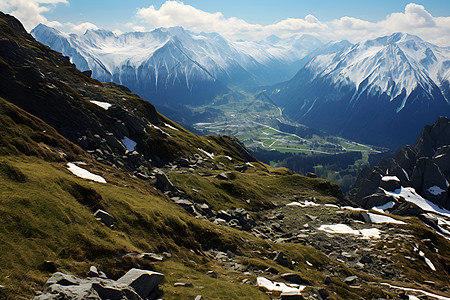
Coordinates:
x,y
80,28
414,20
29,12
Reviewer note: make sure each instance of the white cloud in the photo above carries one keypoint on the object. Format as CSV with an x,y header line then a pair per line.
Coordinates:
x,y
139,28
414,20
80,28
29,12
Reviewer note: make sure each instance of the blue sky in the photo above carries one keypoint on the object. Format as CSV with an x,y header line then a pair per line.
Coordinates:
x,y
244,19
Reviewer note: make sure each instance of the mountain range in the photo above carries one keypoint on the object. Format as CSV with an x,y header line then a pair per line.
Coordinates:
x,y
379,91
172,63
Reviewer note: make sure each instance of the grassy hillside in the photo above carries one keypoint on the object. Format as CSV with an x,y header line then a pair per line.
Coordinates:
x,y
47,223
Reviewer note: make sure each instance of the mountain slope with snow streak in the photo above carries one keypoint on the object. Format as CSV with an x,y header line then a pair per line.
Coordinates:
x,y
379,91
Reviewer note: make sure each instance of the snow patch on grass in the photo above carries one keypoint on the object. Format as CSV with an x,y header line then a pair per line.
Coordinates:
x,y
376,218
80,172
345,229
170,126
304,204
278,286
210,155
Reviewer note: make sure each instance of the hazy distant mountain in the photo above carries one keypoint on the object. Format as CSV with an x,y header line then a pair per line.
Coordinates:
x,y
172,64
379,91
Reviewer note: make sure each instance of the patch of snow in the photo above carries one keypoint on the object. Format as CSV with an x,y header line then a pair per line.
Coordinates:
x,y
410,195
353,208
429,263
332,205
80,172
376,218
159,129
210,155
390,178
104,105
278,286
435,190
129,143
249,164
309,264
385,206
345,229
415,290
170,126
228,157
306,203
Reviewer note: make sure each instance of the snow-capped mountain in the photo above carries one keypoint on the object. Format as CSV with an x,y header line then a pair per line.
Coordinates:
x,y
378,91
172,64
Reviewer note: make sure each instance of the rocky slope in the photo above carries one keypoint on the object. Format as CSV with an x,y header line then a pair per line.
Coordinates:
x,y
414,181
377,91
75,198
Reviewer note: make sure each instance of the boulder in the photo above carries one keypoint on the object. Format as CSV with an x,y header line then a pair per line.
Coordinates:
x,y
222,176
241,169
281,259
291,296
350,280
104,217
93,272
184,163
144,282
163,183
377,199
294,278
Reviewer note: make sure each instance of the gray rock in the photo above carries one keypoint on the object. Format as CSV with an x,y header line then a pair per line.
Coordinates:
x,y
222,176
93,272
294,278
376,199
144,282
104,217
152,256
324,294
163,183
365,217
241,169
366,259
224,215
183,284
184,163
291,296
114,293
350,280
62,279
390,185
198,297
281,259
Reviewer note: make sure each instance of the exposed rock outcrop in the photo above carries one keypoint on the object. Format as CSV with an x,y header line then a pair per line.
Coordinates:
x,y
136,284
425,167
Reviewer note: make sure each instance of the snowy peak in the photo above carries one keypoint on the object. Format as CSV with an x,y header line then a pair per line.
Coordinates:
x,y
390,65
168,62
379,91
